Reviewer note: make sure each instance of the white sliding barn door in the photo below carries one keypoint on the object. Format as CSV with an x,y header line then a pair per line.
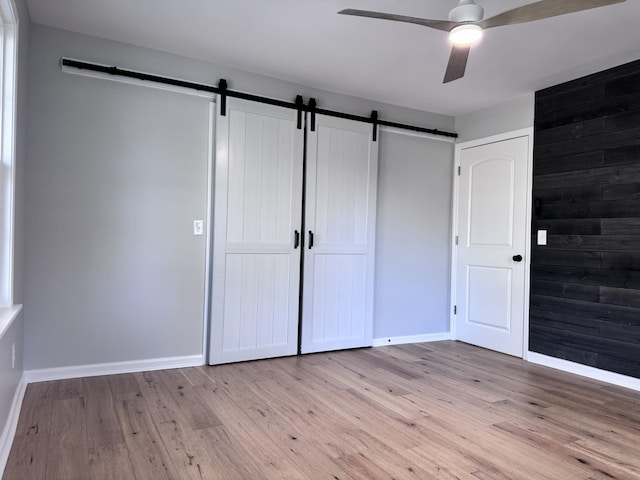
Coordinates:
x,y
340,213
258,202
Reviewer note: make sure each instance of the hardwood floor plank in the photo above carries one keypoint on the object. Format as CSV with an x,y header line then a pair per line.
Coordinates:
x,y
35,415
442,410
149,458
103,425
68,457
374,455
564,453
69,388
362,385
228,456
110,462
160,404
463,460
290,429
188,452
607,455
240,425
441,465
30,452
363,467
198,414
196,376
494,450
123,386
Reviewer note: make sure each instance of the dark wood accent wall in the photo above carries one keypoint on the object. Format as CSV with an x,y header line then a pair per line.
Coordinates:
x,y
585,284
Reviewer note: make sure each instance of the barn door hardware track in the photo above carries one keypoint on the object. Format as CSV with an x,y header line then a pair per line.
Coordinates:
x,y
223,90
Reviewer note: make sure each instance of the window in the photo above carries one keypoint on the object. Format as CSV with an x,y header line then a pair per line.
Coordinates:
x,y
8,52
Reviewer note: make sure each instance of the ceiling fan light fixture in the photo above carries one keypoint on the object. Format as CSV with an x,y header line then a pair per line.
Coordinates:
x,y
466,34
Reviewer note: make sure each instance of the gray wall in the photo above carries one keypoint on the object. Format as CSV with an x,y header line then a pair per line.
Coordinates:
x,y
505,117
116,175
413,236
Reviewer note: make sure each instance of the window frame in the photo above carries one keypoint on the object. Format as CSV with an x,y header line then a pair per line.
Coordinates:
x,y
8,100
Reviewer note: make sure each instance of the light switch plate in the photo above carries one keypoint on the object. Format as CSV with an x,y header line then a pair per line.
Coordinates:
x,y
542,237
198,227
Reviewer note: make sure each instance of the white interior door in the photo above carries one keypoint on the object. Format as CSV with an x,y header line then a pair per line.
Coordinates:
x,y
491,256
257,205
340,213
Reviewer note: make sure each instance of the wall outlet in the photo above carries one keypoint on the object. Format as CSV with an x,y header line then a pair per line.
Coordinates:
x,y
13,355
198,227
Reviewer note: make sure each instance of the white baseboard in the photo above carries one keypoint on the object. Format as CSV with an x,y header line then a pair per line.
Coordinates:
x,y
427,337
11,423
584,370
61,373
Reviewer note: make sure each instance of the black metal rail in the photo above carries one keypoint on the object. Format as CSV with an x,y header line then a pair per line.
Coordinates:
x,y
223,91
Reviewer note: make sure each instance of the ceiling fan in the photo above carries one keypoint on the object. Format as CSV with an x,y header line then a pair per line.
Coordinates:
x,y
466,23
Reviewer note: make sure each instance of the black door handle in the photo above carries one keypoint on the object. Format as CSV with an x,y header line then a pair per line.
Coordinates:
x,y
517,258
296,241
310,239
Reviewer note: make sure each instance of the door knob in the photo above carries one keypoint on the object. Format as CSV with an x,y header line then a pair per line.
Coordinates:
x,y
517,258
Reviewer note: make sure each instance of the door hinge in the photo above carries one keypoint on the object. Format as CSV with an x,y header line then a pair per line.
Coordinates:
x,y
459,170
455,309
456,239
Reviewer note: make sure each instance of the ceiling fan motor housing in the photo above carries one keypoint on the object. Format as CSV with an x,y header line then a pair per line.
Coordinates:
x,y
466,11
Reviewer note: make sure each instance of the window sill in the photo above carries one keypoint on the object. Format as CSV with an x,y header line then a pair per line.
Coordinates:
x,y
7,316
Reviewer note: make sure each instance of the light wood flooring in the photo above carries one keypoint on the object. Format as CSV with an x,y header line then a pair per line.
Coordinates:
x,y
441,410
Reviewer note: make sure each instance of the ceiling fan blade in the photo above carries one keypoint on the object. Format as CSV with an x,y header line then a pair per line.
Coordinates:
x,y
543,9
443,25
457,63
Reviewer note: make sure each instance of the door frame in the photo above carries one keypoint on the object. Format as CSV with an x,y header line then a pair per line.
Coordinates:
x,y
524,132
208,232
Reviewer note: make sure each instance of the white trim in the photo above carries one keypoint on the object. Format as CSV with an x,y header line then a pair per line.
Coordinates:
x,y
7,316
523,132
424,338
133,81
8,109
61,373
584,370
453,261
206,322
11,423
413,133
527,247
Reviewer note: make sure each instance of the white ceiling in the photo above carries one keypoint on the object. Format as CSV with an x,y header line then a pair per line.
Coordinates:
x,y
306,42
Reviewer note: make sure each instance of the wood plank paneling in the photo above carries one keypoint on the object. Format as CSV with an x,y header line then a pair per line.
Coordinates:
x,y
575,226
599,108
570,194
593,310
588,276
570,162
576,291
585,283
608,209
589,176
546,256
